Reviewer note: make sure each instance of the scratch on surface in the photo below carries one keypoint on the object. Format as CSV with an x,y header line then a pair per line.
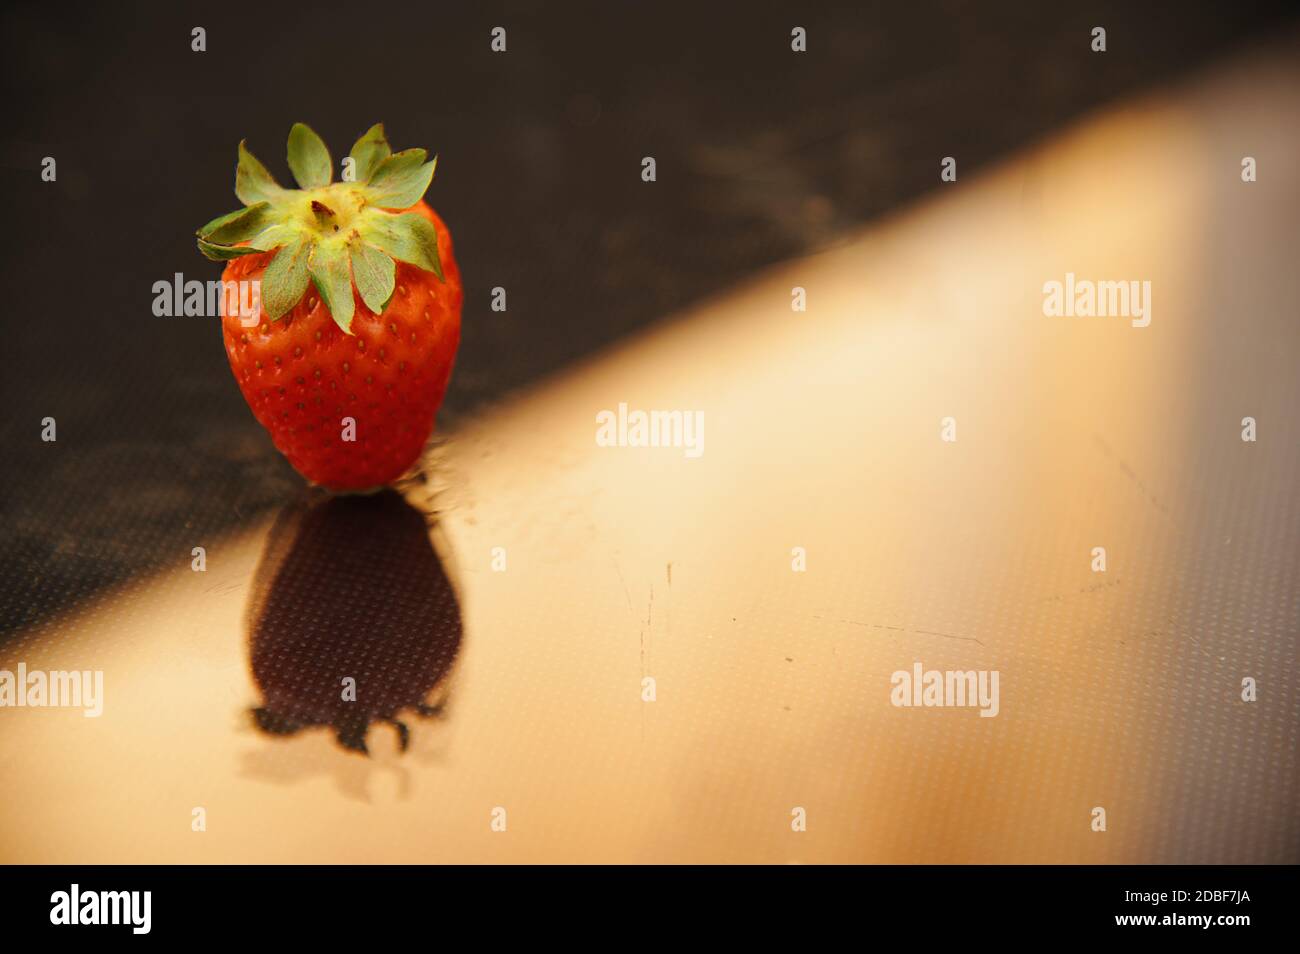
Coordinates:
x,y
1130,474
902,629
966,639
648,613
1082,591
642,634
670,572
224,586
854,622
649,616
626,595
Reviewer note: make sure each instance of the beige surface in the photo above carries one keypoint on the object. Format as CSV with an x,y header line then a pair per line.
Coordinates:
x,y
822,431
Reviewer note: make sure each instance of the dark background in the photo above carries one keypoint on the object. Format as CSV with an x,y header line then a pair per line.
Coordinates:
x,y
762,154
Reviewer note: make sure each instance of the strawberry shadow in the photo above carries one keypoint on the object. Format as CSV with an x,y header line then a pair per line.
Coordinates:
x,y
353,620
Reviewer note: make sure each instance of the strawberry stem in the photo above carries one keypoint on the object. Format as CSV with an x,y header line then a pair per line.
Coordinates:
x,y
372,208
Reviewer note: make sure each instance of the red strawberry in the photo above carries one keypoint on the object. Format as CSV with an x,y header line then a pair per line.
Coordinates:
x,y
347,356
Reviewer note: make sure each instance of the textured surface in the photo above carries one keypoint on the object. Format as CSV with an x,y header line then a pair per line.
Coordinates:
x,y
763,155
1119,690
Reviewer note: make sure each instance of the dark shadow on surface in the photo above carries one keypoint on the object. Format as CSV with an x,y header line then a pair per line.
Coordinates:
x,y
351,588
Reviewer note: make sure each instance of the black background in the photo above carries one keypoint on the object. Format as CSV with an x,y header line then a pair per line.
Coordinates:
x,y
762,154
813,905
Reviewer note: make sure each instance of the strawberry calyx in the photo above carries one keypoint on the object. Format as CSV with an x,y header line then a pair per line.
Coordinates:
x,y
330,234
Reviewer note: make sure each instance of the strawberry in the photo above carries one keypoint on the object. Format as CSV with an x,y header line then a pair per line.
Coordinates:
x,y
346,357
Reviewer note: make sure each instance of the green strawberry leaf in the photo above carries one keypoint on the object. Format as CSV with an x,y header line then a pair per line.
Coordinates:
x,y
374,273
219,221
224,253
339,237
281,233
328,267
238,226
369,151
285,279
253,183
401,180
309,160
408,237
